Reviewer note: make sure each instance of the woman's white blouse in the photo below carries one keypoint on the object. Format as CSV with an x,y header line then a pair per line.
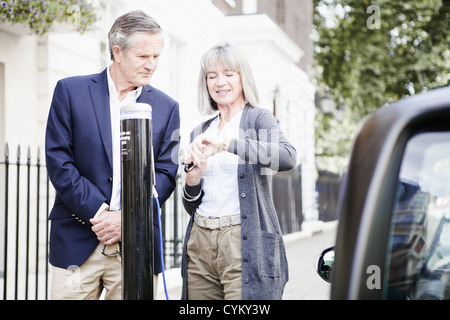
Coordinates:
x,y
220,183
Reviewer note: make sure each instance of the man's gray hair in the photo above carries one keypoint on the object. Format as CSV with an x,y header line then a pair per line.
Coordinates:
x,y
123,29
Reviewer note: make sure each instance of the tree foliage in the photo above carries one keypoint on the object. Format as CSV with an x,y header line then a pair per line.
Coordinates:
x,y
40,15
372,53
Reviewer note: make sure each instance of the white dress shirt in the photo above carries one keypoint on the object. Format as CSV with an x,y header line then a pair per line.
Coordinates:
x,y
220,182
115,105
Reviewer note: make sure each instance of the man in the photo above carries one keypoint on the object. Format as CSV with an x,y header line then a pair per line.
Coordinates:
x,y
83,159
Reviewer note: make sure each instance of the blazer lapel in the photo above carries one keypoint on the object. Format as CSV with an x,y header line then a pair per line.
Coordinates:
x,y
100,100
145,96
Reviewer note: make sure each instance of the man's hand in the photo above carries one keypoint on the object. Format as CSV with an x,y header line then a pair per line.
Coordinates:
x,y
108,227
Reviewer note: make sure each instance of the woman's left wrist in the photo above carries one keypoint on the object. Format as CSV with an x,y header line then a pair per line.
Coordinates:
x,y
223,144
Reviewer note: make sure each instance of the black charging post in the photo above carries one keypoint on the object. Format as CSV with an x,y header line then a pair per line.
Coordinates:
x,y
137,217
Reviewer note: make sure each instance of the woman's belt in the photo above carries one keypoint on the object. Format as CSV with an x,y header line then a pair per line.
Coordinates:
x,y
217,222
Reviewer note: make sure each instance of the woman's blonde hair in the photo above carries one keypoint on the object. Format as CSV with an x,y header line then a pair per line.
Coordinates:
x,y
231,59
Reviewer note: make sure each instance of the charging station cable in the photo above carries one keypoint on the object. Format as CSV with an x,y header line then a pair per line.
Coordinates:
x,y
155,194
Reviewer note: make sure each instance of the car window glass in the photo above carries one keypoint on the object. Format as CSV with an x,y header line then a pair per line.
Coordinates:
x,y
419,248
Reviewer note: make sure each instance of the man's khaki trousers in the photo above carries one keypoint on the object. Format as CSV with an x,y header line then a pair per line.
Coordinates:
x,y
87,282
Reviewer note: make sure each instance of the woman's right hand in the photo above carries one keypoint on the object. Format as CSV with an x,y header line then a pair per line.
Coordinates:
x,y
195,155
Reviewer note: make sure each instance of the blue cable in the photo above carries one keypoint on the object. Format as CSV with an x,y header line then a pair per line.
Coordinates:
x,y
161,242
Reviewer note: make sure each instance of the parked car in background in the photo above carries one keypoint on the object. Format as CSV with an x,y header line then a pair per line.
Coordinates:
x,y
393,238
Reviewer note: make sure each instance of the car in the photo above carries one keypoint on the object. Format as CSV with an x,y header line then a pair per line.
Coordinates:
x,y
393,236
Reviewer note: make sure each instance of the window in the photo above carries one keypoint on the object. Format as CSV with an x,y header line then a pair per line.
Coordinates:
x,y
419,249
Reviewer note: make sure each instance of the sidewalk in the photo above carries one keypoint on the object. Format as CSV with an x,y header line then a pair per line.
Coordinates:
x,y
302,249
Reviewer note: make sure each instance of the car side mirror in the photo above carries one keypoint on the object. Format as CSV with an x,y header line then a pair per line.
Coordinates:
x,y
324,264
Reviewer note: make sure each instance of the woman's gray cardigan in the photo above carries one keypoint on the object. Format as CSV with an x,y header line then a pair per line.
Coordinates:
x,y
261,145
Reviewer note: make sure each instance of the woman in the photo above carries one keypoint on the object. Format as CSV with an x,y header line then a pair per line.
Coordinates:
x,y
233,246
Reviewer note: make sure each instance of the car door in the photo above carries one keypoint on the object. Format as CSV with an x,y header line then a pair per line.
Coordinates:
x,y
391,241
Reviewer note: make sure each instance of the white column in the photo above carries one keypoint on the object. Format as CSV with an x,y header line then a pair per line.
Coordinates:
x,y
249,6
2,109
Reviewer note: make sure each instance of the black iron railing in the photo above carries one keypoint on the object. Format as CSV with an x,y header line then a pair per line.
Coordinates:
x,y
328,186
26,198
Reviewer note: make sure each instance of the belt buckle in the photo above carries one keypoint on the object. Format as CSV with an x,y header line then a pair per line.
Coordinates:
x,y
209,223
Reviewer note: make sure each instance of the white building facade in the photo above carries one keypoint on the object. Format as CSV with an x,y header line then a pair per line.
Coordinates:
x,y
31,65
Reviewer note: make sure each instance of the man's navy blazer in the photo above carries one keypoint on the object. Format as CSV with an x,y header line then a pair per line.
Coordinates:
x,y
78,147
